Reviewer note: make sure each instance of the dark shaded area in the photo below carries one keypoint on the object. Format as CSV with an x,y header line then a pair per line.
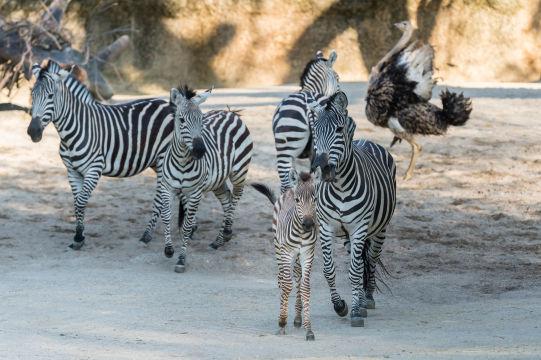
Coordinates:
x,y
367,18
144,22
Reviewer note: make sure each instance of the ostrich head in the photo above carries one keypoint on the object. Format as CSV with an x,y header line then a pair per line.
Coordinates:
x,y
404,26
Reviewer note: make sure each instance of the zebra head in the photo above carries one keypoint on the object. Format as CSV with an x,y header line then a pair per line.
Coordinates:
x,y
304,195
45,97
319,76
189,118
333,134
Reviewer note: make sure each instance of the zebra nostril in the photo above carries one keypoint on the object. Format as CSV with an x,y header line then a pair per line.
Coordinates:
x,y
308,224
198,148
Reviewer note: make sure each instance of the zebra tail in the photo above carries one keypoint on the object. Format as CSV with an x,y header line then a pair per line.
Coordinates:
x,y
265,190
381,271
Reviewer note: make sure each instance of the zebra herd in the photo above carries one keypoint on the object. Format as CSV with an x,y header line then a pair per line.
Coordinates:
x,y
350,192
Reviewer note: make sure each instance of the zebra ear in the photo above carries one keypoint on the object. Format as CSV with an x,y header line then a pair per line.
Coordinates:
x,y
201,98
173,96
53,67
319,54
340,101
332,58
317,175
36,69
293,177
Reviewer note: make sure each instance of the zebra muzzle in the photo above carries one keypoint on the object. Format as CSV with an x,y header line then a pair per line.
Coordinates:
x,y
308,224
35,129
198,149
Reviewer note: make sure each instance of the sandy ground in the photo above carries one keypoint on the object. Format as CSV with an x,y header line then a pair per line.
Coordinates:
x,y
464,252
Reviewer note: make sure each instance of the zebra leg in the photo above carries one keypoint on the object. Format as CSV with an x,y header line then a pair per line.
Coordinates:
x,y
284,164
356,272
181,211
298,303
166,196
224,195
307,257
76,181
189,217
286,284
329,270
372,257
89,184
156,209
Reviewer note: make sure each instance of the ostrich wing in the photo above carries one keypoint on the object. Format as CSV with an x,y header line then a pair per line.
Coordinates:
x,y
418,58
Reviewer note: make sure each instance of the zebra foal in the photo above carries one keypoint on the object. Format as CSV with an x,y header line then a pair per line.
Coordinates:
x,y
291,123
206,151
357,194
295,232
97,139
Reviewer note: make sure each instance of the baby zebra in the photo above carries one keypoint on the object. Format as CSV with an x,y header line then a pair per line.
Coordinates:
x,y
206,150
295,234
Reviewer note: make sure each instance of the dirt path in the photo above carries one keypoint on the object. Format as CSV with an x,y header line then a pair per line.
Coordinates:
x,y
464,249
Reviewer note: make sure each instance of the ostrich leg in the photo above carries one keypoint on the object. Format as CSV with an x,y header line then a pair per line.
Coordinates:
x,y
401,133
415,150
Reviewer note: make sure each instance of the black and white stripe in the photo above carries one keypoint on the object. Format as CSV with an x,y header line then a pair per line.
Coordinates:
x,y
291,124
357,196
98,139
206,151
295,233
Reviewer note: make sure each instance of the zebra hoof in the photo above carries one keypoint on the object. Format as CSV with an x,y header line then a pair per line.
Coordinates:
x,y
361,312
180,266
341,308
228,234
145,238
77,245
310,335
357,321
297,322
168,251
370,304
281,331
214,245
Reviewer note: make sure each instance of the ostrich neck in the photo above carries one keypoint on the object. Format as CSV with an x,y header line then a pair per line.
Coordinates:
x,y
400,45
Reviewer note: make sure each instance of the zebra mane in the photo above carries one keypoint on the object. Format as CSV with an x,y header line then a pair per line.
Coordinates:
x,y
186,91
78,89
307,68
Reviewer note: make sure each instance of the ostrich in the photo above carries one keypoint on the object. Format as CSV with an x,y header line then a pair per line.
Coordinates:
x,y
399,91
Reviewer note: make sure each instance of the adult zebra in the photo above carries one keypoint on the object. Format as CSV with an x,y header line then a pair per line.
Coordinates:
x,y
357,195
98,139
206,150
291,124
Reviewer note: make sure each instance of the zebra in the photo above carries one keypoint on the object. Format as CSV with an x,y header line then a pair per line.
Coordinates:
x,y
291,123
98,139
295,233
357,194
206,150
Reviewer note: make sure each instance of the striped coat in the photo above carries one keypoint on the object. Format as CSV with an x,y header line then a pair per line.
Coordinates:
x,y
209,152
97,139
358,196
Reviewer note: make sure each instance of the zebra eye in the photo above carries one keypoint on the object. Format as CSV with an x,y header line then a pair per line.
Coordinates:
x,y
297,200
50,96
339,129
